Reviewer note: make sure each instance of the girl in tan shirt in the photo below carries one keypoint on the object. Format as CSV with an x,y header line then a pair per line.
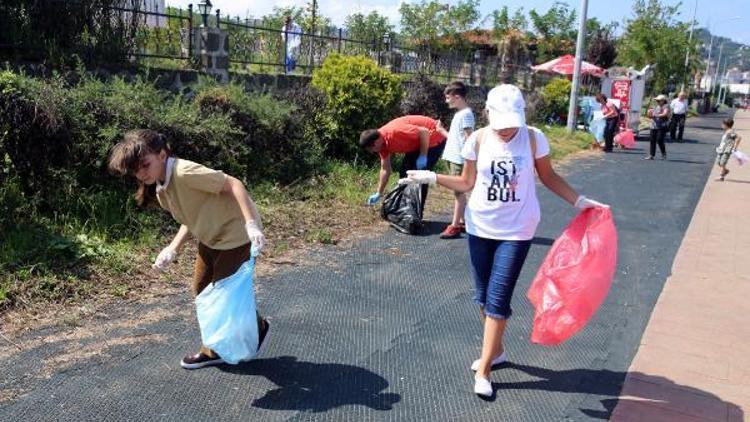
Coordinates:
x,y
211,206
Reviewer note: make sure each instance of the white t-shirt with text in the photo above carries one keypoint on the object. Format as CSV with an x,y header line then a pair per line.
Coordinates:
x,y
463,119
503,204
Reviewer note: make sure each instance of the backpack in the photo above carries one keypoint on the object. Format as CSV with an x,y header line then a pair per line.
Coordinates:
x,y
402,208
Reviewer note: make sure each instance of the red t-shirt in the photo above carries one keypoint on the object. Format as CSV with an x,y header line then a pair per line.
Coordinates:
x,y
401,135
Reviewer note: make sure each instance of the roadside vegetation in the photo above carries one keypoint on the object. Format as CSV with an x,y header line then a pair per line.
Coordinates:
x,y
71,232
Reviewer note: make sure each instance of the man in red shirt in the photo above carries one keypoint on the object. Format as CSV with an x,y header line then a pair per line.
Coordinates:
x,y
417,137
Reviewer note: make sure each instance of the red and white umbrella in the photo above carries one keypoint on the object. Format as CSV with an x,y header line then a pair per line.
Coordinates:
x,y
564,65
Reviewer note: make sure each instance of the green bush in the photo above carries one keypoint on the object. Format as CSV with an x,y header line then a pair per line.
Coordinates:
x,y
425,96
277,142
360,95
556,98
34,136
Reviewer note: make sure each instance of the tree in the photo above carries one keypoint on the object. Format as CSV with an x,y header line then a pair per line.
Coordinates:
x,y
601,46
502,22
512,36
555,30
654,36
426,23
367,27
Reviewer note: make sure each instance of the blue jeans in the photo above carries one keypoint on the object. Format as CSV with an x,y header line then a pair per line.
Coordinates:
x,y
496,265
290,64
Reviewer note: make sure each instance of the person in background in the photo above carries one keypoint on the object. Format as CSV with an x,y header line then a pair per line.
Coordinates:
x,y
659,115
679,108
417,137
611,119
291,34
461,128
730,141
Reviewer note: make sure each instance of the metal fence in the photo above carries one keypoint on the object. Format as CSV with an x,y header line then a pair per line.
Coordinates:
x,y
125,30
167,34
167,38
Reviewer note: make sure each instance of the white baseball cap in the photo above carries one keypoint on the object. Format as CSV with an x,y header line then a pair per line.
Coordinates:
x,y
505,107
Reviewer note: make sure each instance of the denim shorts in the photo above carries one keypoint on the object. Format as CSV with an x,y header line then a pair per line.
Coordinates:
x,y
496,265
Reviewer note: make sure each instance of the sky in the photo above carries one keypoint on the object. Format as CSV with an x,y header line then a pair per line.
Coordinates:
x,y
728,18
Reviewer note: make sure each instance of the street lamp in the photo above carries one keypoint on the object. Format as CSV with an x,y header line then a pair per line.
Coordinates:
x,y
204,8
387,41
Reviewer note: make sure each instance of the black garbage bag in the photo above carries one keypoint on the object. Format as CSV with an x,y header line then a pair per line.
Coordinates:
x,y
402,208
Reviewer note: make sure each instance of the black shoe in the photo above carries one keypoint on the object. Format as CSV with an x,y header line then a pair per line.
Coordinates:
x,y
199,360
664,156
262,333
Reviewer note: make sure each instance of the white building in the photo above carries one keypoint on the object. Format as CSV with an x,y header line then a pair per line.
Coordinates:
x,y
733,76
156,6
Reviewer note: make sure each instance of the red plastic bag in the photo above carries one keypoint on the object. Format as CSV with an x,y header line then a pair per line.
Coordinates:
x,y
625,138
575,277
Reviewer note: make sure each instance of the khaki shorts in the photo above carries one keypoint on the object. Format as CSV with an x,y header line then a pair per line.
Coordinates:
x,y
723,158
455,169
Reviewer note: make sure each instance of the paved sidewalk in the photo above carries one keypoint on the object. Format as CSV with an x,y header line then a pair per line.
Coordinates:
x,y
692,363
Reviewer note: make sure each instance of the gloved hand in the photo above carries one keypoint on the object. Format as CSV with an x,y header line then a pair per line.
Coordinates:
x,y
582,203
421,162
165,257
256,237
421,177
373,199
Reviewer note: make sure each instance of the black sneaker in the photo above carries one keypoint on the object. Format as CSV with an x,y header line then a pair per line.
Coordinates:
x,y
263,331
199,360
664,156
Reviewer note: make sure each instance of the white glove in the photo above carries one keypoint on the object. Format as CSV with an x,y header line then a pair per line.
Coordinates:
x,y
256,237
582,203
420,177
165,257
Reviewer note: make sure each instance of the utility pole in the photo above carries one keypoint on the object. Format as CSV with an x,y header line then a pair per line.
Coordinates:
x,y
312,38
687,50
577,68
716,72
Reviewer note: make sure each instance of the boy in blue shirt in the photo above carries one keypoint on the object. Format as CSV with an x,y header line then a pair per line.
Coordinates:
x,y
461,127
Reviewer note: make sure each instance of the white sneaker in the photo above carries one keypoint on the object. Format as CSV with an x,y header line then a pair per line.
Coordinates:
x,y
482,386
497,361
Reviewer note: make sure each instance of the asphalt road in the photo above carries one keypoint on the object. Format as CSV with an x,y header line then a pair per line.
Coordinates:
x,y
386,329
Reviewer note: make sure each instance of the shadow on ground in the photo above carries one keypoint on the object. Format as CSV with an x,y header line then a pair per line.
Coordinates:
x,y
603,382
316,387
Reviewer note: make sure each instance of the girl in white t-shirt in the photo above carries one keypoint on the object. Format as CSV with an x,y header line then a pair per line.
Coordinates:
x,y
503,212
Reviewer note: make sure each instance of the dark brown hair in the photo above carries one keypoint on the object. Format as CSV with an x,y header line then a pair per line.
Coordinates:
x,y
455,88
728,122
601,97
368,137
125,159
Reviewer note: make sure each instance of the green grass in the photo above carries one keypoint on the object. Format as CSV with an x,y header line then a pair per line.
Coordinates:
x,y
563,143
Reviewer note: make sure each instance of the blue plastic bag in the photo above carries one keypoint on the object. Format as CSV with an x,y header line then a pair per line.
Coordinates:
x,y
597,128
227,318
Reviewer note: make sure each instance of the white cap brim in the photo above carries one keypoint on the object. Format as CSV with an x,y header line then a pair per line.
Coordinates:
x,y
505,120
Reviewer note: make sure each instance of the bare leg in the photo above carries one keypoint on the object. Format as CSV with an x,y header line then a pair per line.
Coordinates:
x,y
459,205
492,344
